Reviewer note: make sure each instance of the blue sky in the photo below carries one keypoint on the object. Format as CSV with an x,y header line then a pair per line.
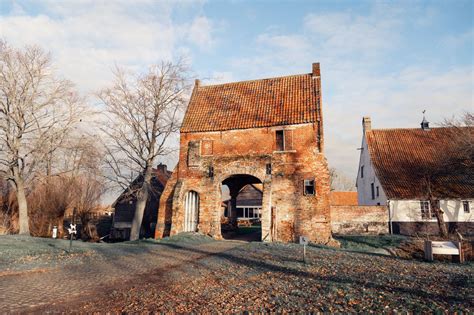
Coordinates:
x,y
387,59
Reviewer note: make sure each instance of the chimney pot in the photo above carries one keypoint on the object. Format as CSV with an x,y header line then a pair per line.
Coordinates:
x,y
366,124
316,70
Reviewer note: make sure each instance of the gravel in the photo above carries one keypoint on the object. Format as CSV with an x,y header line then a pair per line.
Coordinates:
x,y
193,273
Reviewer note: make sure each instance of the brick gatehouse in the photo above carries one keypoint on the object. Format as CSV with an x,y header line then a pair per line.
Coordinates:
x,y
267,132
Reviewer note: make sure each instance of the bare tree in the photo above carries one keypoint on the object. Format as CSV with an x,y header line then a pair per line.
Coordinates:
x,y
87,194
449,169
142,113
339,181
37,112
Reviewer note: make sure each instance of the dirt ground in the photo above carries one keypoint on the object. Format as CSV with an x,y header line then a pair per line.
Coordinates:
x,y
193,273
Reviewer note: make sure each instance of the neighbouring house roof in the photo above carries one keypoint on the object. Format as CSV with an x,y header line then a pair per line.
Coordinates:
x,y
401,156
253,104
343,198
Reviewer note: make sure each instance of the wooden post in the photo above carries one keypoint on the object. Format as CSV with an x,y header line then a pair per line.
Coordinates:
x,y
458,258
428,251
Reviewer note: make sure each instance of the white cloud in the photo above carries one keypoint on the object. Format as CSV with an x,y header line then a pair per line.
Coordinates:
x,y
357,78
200,32
88,37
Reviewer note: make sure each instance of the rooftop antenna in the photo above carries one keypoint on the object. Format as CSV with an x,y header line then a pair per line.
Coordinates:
x,y
425,125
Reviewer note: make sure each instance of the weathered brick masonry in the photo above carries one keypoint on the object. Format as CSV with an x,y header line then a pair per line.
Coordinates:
x,y
230,135
359,219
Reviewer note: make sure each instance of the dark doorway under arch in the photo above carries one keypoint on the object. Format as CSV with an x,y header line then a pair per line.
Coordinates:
x,y
242,208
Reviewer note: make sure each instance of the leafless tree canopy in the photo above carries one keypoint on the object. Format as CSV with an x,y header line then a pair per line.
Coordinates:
x,y
142,111
37,112
340,182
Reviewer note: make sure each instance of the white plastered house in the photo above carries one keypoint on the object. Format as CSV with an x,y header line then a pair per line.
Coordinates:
x,y
388,175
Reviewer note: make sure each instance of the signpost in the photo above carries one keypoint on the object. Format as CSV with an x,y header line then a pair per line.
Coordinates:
x,y
72,227
444,248
304,241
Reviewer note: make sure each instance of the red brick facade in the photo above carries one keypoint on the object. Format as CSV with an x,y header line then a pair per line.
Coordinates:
x,y
236,157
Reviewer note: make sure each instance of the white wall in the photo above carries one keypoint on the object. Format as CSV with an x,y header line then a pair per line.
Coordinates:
x,y
364,192
409,211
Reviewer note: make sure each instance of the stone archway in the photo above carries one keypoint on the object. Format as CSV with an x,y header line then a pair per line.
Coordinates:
x,y
242,217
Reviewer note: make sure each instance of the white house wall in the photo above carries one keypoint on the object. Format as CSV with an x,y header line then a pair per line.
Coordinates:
x,y
364,192
409,211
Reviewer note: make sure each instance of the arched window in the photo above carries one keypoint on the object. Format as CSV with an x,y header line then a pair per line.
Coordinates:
x,y
191,211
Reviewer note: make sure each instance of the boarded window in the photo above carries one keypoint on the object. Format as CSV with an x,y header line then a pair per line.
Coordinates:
x,y
193,153
288,135
207,147
309,187
280,140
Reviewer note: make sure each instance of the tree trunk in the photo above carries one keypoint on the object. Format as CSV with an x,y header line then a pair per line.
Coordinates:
x,y
142,198
434,205
22,207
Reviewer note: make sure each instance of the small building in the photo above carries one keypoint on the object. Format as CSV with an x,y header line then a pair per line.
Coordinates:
x,y
124,206
266,132
391,161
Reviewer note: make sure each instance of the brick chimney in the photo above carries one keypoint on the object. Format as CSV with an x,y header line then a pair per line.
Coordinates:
x,y
316,70
366,124
162,168
197,82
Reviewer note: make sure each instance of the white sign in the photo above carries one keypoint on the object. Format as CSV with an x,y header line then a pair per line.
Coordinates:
x,y
444,248
304,240
72,229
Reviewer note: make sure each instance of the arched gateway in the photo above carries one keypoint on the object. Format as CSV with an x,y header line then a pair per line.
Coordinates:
x,y
265,133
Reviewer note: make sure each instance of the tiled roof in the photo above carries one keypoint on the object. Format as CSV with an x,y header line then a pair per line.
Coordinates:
x,y
401,157
252,104
343,198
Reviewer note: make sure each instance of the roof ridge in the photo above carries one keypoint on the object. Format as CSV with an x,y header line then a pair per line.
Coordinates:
x,y
254,80
418,128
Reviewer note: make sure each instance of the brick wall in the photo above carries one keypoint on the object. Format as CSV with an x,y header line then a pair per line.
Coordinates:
x,y
247,152
359,219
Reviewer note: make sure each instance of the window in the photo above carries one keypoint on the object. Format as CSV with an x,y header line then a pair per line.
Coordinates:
x,y
194,153
280,140
372,190
309,187
426,212
378,193
249,212
425,209
362,171
466,206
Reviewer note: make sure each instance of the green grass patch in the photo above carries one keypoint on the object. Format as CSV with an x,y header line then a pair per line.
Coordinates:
x,y
369,242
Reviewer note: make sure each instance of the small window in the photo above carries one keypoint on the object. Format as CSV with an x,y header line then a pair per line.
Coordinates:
x,y
280,140
362,171
377,191
309,187
466,206
372,190
426,212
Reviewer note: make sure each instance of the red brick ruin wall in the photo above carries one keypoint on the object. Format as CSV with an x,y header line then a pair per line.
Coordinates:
x,y
359,219
248,151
